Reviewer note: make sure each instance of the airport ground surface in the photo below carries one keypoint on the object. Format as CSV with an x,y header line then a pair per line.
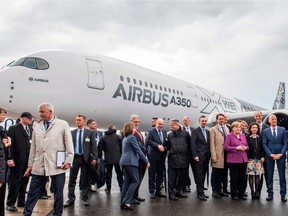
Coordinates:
x,y
105,204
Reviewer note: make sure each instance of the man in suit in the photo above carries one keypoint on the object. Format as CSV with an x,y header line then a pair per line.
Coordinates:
x,y
17,160
258,119
4,142
135,119
179,144
85,152
93,126
218,135
274,141
156,142
186,126
200,146
50,136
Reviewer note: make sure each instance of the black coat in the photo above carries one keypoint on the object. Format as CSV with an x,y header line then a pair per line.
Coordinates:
x,y
20,144
178,145
256,150
111,145
153,141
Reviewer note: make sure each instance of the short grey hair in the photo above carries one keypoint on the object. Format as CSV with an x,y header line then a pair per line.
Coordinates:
x,y
134,116
47,105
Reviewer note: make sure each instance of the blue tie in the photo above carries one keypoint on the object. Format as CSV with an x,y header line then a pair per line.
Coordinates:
x,y
274,133
80,142
204,133
160,135
224,134
47,124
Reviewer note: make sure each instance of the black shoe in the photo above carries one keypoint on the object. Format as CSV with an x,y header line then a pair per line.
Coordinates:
x,y
173,197
223,194
216,195
86,203
126,207
245,194
187,189
68,203
206,196
205,188
226,191
136,202
45,197
140,199
242,197
201,197
284,199
11,208
269,198
160,194
235,198
152,196
180,195
21,205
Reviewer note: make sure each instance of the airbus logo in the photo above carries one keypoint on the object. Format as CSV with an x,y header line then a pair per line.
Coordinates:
x,y
38,80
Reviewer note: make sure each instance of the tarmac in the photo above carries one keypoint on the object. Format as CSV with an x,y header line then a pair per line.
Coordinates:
x,y
103,203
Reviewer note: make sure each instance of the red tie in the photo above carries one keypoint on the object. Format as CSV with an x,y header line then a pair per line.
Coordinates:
x,y
139,134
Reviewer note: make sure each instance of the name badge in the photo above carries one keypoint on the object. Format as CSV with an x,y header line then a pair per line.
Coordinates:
x,y
87,140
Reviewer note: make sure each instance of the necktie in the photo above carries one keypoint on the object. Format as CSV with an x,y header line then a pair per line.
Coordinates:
x,y
80,142
224,134
47,124
160,135
188,130
274,133
139,134
204,133
27,130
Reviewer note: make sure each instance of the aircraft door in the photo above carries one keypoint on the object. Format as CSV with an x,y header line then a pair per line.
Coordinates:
x,y
193,96
95,74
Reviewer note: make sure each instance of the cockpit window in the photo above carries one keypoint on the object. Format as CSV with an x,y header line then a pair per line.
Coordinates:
x,y
31,62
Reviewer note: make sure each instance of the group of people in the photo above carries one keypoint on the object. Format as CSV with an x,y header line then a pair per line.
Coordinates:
x,y
49,149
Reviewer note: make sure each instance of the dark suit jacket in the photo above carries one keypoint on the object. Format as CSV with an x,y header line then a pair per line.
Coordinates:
x,y
276,145
153,141
199,146
89,145
264,126
2,157
20,144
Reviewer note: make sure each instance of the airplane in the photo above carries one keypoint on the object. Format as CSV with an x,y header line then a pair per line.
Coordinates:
x,y
110,90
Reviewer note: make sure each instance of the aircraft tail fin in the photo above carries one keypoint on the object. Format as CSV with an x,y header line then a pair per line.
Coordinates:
x,y
279,102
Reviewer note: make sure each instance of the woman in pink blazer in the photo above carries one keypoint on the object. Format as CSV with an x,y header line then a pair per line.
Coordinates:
x,y
236,146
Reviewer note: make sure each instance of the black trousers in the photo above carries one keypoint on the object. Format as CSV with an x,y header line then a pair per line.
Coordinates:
x,y
2,199
201,169
109,168
18,185
217,176
156,173
36,190
224,180
78,163
176,179
142,170
238,182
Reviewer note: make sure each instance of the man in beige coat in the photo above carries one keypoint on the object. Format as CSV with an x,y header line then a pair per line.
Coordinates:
x,y
51,138
218,135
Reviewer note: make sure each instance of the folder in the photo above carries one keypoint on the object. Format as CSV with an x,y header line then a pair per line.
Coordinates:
x,y
60,158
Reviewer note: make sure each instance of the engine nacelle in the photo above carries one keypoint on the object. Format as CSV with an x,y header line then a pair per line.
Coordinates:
x,y
282,118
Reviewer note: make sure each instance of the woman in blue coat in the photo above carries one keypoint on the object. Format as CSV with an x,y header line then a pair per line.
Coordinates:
x,y
131,153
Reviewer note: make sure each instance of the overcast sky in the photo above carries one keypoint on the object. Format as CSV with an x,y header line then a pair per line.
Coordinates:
x,y
237,48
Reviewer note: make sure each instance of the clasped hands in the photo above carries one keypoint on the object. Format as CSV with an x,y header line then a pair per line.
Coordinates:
x,y
276,156
161,148
241,148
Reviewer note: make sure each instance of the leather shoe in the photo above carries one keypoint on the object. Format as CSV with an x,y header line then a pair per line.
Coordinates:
x,y
127,207
226,191
242,197
152,196
201,197
269,198
68,203
205,188
134,201
21,204
206,196
223,194
284,199
160,194
216,195
86,203
140,199
235,198
180,195
45,197
173,197
11,208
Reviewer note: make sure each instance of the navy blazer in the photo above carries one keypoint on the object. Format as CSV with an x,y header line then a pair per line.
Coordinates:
x,y
131,152
276,145
153,141
199,146
89,144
